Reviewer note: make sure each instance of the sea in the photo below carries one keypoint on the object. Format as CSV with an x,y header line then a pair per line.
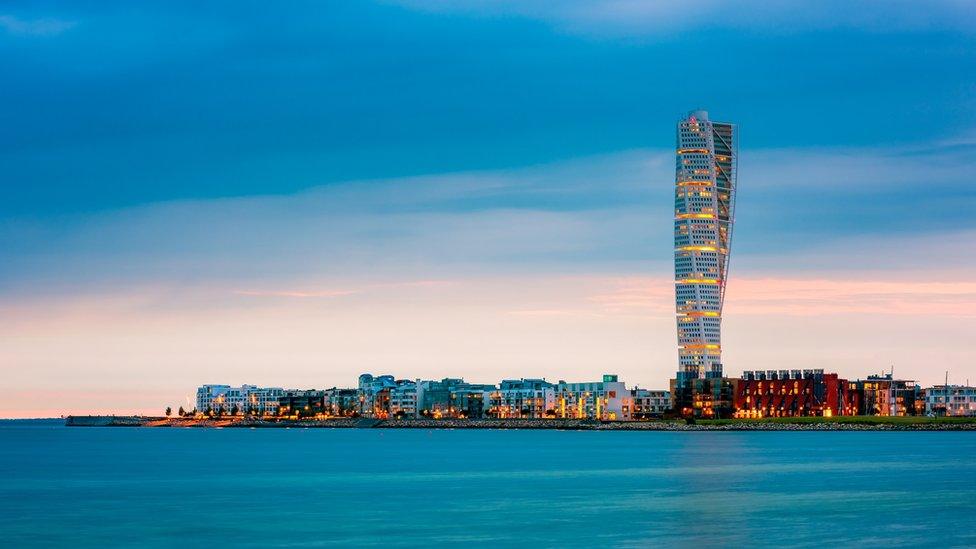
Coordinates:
x,y
191,487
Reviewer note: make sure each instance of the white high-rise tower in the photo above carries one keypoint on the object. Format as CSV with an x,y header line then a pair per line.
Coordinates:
x,y
704,202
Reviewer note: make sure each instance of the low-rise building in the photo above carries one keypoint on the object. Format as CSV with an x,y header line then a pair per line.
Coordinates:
x,y
211,398
374,395
246,399
882,395
650,403
603,400
263,401
403,399
452,398
302,404
468,400
951,400
434,397
522,398
706,398
790,393
341,402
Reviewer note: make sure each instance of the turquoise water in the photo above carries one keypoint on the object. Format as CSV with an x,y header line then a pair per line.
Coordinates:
x,y
88,487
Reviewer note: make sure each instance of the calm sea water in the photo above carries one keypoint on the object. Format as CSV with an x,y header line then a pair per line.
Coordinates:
x,y
88,487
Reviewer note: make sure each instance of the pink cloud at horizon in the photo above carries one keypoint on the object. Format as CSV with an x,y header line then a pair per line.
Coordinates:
x,y
798,296
139,350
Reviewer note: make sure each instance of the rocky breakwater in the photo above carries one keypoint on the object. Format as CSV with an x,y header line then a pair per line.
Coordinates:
x,y
830,426
667,425
568,424
106,421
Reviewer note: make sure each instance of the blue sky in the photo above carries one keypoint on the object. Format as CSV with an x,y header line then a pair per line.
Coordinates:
x,y
121,106
172,162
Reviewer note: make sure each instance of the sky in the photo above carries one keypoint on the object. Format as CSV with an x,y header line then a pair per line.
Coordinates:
x,y
290,195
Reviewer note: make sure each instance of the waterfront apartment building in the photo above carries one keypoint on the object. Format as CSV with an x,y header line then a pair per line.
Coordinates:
x,y
704,200
341,402
791,393
212,397
453,398
882,395
403,399
650,403
374,395
522,398
602,400
434,397
303,404
246,399
951,400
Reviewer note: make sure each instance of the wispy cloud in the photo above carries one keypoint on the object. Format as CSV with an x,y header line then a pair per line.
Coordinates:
x,y
637,17
748,296
481,327
34,27
608,213
859,169
296,293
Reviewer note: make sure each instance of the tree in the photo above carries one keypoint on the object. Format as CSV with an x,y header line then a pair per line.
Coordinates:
x,y
235,410
169,411
181,412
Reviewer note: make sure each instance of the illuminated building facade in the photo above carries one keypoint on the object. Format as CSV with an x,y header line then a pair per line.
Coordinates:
x,y
881,395
522,398
650,403
709,398
791,393
374,395
607,400
303,404
704,200
246,399
951,400
403,399
341,402
452,398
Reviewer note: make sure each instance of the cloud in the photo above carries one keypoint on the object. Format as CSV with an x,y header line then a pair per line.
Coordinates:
x,y
799,296
34,27
296,293
817,210
483,328
860,169
637,17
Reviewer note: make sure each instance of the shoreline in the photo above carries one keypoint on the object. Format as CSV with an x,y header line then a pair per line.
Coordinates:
x,y
855,423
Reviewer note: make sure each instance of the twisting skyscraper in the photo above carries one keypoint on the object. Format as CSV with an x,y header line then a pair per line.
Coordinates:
x,y
704,202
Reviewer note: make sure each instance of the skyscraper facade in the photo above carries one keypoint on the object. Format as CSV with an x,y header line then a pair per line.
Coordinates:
x,y
704,203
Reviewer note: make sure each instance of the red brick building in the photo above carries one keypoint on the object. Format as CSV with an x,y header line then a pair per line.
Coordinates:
x,y
790,393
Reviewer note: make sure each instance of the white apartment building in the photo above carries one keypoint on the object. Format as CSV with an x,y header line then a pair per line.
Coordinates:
x,y
603,400
521,398
403,399
243,399
961,400
374,395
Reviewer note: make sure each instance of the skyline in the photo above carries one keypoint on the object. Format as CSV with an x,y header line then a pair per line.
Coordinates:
x,y
486,192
